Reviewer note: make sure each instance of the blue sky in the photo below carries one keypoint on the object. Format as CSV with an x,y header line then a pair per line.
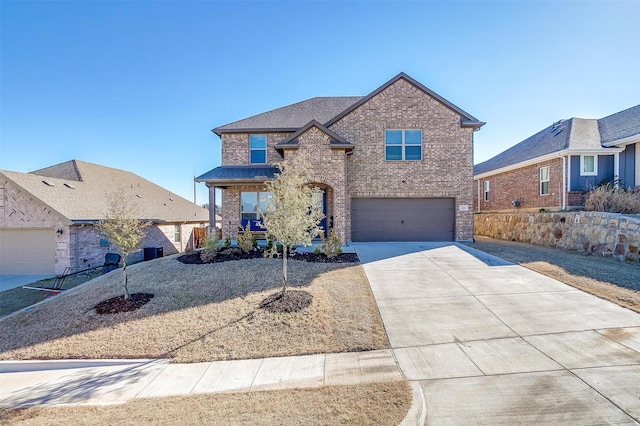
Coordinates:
x,y
138,85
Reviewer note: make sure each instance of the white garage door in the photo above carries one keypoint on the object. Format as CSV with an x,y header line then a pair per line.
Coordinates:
x,y
402,219
27,251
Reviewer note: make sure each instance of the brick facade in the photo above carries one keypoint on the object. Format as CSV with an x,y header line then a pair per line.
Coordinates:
x,y
445,171
446,168
328,170
235,148
522,184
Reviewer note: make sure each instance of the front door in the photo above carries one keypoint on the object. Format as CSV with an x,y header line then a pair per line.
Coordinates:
x,y
320,203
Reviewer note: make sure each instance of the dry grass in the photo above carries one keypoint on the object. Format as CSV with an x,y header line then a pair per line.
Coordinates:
x,y
606,278
371,404
202,313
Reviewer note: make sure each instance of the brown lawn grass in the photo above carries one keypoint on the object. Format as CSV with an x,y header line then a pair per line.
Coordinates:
x,y
202,313
604,277
370,404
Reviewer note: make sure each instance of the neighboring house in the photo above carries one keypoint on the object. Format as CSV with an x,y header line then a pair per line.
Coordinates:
x,y
394,165
48,217
554,168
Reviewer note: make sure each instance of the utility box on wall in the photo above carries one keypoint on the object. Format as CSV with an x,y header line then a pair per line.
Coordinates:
x,y
151,253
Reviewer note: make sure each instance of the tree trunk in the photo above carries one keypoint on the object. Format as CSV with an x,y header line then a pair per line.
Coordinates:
x,y
285,253
125,280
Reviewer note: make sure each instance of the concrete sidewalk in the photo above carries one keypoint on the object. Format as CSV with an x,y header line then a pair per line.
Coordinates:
x,y
98,382
495,343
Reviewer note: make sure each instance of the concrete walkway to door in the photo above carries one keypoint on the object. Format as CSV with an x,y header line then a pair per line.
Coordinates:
x,y
491,342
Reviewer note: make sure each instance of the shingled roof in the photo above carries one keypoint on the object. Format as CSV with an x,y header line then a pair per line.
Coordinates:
x,y
77,190
576,134
552,139
239,174
619,126
291,117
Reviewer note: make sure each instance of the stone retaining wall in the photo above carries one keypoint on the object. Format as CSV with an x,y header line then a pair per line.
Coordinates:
x,y
606,234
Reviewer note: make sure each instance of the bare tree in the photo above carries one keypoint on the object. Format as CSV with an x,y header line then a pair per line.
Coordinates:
x,y
289,217
124,228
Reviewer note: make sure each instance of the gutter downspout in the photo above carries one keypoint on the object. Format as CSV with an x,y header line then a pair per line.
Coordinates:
x,y
616,170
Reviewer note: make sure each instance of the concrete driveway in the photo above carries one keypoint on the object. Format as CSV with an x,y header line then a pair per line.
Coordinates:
x,y
495,343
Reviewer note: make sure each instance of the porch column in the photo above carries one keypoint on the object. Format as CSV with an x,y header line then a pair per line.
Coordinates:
x,y
212,205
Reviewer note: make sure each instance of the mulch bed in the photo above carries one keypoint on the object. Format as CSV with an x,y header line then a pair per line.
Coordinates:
x,y
119,304
290,301
227,255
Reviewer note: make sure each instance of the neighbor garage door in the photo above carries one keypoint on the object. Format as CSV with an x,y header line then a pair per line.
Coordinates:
x,y
27,251
402,219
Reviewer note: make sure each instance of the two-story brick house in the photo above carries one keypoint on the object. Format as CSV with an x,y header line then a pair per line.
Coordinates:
x,y
394,165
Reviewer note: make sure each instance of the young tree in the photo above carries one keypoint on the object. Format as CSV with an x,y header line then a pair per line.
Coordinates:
x,y
290,217
124,228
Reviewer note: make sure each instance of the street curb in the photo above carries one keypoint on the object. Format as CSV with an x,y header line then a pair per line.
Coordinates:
x,y
418,412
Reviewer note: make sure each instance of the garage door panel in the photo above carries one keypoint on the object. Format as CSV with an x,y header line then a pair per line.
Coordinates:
x,y
402,219
27,251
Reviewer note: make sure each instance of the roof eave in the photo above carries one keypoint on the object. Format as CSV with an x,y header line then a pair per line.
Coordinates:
x,y
476,125
259,180
623,141
550,156
218,131
332,145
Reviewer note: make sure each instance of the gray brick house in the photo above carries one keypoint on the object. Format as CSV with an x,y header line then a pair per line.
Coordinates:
x,y
394,165
48,217
553,168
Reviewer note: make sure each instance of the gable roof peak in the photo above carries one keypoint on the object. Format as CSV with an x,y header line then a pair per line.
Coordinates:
x,y
466,119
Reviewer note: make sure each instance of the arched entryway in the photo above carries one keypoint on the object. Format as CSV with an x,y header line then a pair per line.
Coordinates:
x,y
323,201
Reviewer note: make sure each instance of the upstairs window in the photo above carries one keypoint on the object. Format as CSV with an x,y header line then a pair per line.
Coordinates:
x,y
588,165
486,190
544,180
403,145
258,149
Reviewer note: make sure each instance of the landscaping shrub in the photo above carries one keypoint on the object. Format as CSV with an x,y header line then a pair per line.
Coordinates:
x,y
246,240
608,198
331,245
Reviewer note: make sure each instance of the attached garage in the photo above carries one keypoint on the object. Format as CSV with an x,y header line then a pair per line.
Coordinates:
x,y
27,251
402,219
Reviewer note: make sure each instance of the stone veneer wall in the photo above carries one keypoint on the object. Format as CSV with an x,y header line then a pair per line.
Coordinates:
x,y
606,234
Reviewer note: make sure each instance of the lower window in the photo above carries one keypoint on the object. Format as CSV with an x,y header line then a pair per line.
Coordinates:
x,y
544,180
250,203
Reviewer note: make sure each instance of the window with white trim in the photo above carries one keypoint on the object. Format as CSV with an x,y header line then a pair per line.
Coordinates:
x,y
176,234
544,180
258,149
486,190
588,165
403,145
